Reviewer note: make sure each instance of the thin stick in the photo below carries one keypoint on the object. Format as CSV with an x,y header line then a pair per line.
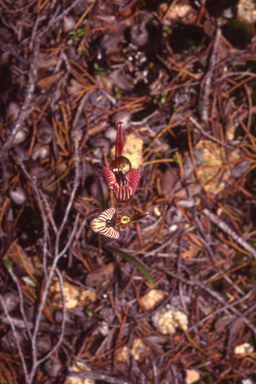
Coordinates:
x,y
15,337
25,109
229,231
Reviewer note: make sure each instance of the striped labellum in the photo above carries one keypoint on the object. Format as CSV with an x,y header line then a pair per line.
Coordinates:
x,y
104,224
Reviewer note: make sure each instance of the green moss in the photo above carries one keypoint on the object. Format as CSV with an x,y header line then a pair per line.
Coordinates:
x,y
141,88
237,32
154,39
140,115
250,272
219,286
186,38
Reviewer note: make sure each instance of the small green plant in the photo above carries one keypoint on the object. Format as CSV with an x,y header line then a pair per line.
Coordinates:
x,y
98,70
166,30
117,93
175,108
51,362
75,36
82,53
89,312
164,97
8,262
176,158
161,99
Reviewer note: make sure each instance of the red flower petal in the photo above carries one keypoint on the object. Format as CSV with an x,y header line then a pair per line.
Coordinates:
x,y
119,140
132,178
124,194
109,179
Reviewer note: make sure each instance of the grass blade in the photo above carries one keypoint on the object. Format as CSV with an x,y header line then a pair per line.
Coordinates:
x,y
136,263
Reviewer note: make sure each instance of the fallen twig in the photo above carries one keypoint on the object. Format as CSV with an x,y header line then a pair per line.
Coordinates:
x,y
229,231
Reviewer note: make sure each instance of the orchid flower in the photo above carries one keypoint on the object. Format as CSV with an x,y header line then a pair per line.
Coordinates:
x,y
120,176
106,222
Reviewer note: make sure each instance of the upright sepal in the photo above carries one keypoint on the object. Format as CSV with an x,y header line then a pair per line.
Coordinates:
x,y
119,140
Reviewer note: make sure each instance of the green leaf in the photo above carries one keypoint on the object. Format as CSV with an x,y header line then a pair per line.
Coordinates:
x,y
29,281
101,198
8,262
89,312
177,160
136,263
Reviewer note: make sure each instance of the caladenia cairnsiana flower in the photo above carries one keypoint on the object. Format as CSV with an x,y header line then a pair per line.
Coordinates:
x,y
120,176
108,220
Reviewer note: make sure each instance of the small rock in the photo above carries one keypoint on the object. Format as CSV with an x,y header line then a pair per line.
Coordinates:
x,y
36,171
192,376
110,41
45,132
125,117
246,10
152,298
168,319
9,342
19,138
11,301
139,35
98,143
12,110
240,168
138,348
20,153
98,276
118,79
18,196
108,314
122,355
5,35
40,151
243,349
69,23
222,323
44,343
75,296
110,134
78,367
169,179
53,366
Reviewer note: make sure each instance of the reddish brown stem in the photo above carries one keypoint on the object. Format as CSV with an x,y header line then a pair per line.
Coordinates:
x,y
119,140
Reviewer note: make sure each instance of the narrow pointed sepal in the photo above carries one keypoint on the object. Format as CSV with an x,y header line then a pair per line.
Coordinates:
x,y
139,216
119,140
